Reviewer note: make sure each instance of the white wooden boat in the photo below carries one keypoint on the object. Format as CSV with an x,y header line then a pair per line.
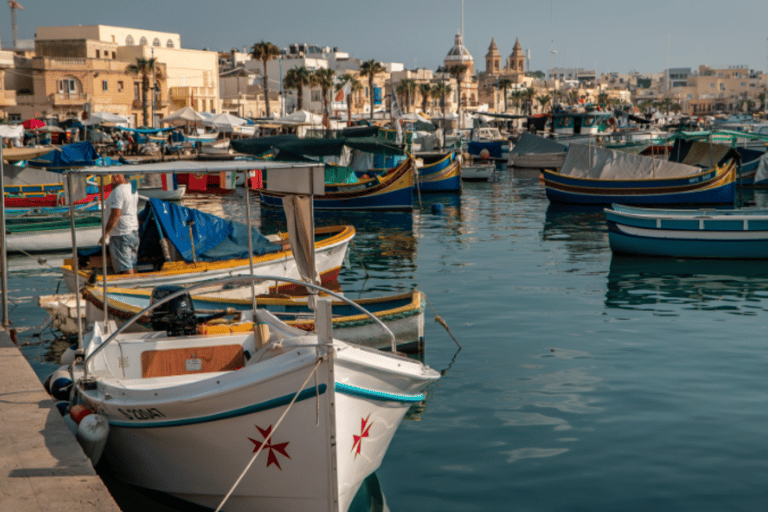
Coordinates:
x,y
164,195
272,419
50,233
403,314
703,233
477,171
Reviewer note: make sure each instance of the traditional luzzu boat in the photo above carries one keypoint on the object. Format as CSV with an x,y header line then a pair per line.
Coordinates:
x,y
439,172
701,233
595,176
403,314
217,248
392,191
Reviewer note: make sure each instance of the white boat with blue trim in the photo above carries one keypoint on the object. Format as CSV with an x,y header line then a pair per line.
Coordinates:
x,y
271,419
700,233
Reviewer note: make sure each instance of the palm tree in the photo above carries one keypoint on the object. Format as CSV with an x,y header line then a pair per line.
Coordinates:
x,y
529,94
543,100
264,52
602,98
355,86
409,87
761,96
457,71
439,91
504,84
425,90
370,69
298,78
517,96
145,68
323,77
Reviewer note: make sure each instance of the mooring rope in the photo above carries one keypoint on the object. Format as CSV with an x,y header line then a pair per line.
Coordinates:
x,y
269,436
440,320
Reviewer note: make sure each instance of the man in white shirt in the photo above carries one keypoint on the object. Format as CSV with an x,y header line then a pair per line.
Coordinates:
x,y
122,225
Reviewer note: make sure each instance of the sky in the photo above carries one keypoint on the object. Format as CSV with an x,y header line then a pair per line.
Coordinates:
x,y
607,35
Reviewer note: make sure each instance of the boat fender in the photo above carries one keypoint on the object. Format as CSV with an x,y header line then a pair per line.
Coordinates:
x,y
79,412
68,356
63,407
437,208
60,384
92,435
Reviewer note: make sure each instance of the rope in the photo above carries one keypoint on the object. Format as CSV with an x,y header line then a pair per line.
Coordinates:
x,y
269,436
367,275
440,321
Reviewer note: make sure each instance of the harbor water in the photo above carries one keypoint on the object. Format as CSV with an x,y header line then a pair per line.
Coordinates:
x,y
585,381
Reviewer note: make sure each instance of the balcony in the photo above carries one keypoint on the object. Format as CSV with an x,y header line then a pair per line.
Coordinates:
x,y
25,99
65,99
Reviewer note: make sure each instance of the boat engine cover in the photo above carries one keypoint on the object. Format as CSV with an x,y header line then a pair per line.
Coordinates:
x,y
177,316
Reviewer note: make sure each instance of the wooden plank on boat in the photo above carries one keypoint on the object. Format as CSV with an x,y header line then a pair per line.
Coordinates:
x,y
183,361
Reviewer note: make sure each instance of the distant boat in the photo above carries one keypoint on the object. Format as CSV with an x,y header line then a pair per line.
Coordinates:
x,y
438,172
477,171
50,233
596,176
534,152
163,194
703,233
392,191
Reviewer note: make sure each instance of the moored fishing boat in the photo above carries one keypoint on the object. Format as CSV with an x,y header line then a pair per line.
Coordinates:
x,y
597,176
403,314
188,414
50,233
217,248
702,233
438,172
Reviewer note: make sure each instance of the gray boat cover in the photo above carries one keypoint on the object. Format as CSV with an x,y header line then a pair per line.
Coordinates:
x,y
706,155
598,163
532,144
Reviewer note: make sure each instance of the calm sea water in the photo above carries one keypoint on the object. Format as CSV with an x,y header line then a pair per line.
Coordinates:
x,y
585,382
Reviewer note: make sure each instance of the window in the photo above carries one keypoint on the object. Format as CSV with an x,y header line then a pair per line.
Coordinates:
x,y
104,86
722,86
136,91
114,55
169,43
156,42
14,117
98,54
743,84
66,86
143,41
120,86
712,85
690,96
129,41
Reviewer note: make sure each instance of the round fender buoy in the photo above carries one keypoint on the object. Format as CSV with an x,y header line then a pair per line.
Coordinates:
x,y
68,356
61,384
63,407
437,208
78,412
92,435
485,154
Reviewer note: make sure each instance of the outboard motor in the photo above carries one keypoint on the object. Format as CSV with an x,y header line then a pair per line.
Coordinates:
x,y
177,316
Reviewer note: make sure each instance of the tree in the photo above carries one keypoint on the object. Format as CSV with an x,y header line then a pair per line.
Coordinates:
x,y
573,97
529,93
504,84
354,88
145,68
543,100
457,71
602,98
761,96
323,78
370,69
425,90
407,88
264,52
298,78
517,98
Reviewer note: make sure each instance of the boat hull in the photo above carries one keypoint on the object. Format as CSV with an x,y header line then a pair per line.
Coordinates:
x,y
392,192
688,233
536,160
441,176
717,186
164,195
193,435
329,255
477,172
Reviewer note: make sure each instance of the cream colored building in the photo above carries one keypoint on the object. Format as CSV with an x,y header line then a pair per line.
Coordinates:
x,y
75,67
7,97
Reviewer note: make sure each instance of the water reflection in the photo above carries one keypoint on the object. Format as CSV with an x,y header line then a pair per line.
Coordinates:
x,y
732,286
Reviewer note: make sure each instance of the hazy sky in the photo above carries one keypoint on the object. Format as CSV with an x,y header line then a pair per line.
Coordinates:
x,y
611,35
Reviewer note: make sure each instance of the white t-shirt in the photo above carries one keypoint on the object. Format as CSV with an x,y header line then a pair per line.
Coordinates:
x,y
124,199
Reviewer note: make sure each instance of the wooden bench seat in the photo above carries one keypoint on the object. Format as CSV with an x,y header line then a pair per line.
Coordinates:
x,y
183,361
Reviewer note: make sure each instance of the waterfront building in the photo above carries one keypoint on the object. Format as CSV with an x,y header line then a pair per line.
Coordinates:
x,y
7,97
514,70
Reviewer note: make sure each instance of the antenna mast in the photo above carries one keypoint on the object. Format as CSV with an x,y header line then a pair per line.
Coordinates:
x,y
14,5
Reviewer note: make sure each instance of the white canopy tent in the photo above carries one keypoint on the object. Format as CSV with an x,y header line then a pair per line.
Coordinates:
x,y
182,116
225,122
107,117
14,132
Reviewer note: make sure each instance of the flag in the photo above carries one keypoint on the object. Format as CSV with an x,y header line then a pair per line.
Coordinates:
x,y
227,180
254,180
198,181
169,182
342,93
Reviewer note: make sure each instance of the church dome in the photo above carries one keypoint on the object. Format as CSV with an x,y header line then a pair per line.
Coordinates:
x,y
458,53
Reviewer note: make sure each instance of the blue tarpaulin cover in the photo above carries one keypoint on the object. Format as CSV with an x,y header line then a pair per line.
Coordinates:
x,y
215,239
493,147
79,154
